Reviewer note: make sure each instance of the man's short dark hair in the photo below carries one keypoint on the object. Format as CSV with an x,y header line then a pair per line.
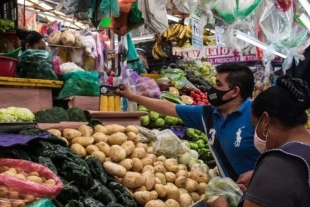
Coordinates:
x,y
238,75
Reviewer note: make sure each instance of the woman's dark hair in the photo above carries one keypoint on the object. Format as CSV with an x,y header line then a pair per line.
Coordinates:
x,y
238,75
31,37
287,102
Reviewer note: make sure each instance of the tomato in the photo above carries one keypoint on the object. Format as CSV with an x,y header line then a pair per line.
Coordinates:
x,y
284,5
192,93
194,103
198,100
197,91
201,103
205,100
203,95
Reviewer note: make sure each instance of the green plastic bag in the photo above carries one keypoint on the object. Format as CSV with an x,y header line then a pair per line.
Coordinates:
x,y
36,64
135,19
109,5
42,203
80,83
133,59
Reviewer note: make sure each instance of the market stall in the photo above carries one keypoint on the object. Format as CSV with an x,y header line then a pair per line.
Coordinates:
x,y
68,139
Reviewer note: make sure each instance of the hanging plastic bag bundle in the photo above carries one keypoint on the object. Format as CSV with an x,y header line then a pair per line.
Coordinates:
x,y
133,58
185,6
109,5
119,24
80,83
36,64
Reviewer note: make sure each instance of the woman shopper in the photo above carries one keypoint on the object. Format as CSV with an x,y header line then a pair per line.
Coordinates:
x,y
31,40
281,176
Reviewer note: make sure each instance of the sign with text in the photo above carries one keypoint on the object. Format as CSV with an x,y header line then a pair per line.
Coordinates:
x,y
217,55
196,33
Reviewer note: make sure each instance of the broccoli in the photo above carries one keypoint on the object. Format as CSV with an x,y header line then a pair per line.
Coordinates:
x,y
76,114
52,115
43,117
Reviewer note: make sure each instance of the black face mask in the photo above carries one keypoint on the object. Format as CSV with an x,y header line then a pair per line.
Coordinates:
x,y
215,96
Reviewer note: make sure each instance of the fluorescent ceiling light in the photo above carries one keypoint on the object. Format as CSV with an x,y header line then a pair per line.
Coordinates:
x,y
173,18
149,37
27,3
305,20
255,42
306,5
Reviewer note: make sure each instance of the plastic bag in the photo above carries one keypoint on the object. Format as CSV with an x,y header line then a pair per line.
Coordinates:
x,y
80,83
276,24
169,145
74,6
172,74
36,64
147,87
135,19
119,24
77,56
56,65
68,67
227,187
133,59
107,5
27,191
236,9
185,6
89,43
42,203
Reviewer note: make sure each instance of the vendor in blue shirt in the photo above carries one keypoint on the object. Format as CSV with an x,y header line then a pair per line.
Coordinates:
x,y
227,122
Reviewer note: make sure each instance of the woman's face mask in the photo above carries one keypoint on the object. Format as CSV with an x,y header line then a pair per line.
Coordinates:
x,y
259,143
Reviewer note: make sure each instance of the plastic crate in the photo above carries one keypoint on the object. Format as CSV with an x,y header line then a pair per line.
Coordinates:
x,y
158,64
148,46
9,10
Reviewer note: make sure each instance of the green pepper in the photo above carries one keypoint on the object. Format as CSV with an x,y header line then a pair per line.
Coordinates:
x,y
190,132
193,145
204,138
74,203
122,195
96,169
187,143
68,192
90,202
198,132
114,204
203,151
47,162
101,193
200,143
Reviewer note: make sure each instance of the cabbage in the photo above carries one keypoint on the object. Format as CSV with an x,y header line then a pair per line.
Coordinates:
x,y
205,168
197,167
192,162
14,114
194,154
184,159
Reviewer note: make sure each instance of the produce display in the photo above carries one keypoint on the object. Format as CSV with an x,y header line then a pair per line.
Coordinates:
x,y
58,114
6,25
66,38
15,114
199,97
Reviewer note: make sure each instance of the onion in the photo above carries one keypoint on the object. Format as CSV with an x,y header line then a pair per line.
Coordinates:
x,y
194,154
184,159
192,162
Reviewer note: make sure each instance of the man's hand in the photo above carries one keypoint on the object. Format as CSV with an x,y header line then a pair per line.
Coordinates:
x,y
219,202
244,179
125,91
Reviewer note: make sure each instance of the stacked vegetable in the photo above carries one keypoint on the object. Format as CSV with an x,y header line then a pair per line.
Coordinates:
x,y
58,114
15,114
6,25
156,120
199,98
153,180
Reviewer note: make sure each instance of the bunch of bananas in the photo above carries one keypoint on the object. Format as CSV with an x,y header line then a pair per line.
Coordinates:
x,y
157,50
178,33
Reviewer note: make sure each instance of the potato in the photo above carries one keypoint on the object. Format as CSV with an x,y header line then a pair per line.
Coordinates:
x,y
202,188
3,168
100,137
161,190
157,180
115,169
137,165
161,158
55,132
34,174
29,198
132,128
160,168
147,161
117,138
173,192
142,145
117,153
155,203
183,191
185,200
133,137
99,155
114,128
148,168
65,140
70,134
154,195
170,177
150,150
149,180
91,148
171,165
18,203
171,203
50,182
34,179
107,159
142,188
5,203
79,149
4,191
133,180
86,131
9,173
153,157
180,182
191,185
84,141
158,163
101,129
129,147
13,170
195,196
199,177
13,194
142,197
161,177
182,167
126,163
182,173
138,153
20,176
104,147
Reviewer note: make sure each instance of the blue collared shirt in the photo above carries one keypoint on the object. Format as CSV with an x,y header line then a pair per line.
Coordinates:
x,y
235,134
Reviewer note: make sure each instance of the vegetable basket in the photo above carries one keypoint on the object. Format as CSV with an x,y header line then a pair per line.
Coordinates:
x,y
8,66
12,54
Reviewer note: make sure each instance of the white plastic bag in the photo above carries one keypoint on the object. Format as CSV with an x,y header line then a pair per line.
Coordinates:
x,y
70,66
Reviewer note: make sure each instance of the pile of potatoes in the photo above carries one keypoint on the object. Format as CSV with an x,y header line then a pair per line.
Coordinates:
x,y
11,197
153,180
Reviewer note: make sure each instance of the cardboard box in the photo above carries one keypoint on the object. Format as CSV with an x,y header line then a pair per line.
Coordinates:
x,y
84,102
32,98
